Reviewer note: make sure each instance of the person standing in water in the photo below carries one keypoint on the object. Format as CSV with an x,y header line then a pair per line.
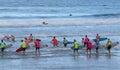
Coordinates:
x,y
97,37
97,45
76,46
55,41
31,37
109,45
37,45
83,41
27,42
12,38
86,41
23,45
2,44
89,46
65,42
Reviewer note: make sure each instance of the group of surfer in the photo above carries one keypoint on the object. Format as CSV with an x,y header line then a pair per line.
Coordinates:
x,y
85,42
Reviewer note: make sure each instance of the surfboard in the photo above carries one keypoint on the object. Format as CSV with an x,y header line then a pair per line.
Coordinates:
x,y
19,49
8,46
69,42
101,39
114,44
79,47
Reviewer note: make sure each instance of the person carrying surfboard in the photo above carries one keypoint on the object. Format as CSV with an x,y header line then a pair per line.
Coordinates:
x,y
83,41
27,42
76,46
12,38
86,41
97,36
37,45
55,41
31,37
109,45
24,46
65,42
2,44
89,46
97,43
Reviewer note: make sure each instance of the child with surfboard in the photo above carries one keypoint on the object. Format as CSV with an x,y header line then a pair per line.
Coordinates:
x,y
89,46
76,46
31,37
65,42
55,41
37,45
24,46
2,44
109,45
97,43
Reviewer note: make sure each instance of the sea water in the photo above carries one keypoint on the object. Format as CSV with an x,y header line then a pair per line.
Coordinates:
x,y
72,19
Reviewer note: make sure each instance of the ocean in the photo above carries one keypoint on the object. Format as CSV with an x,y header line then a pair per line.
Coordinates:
x,y
72,19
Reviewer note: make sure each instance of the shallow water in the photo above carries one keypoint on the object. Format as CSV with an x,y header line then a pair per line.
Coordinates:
x,y
60,57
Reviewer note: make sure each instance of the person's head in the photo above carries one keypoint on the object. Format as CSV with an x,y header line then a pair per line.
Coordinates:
x,y
82,38
30,34
25,38
21,40
97,34
108,39
74,40
54,37
85,35
64,38
1,40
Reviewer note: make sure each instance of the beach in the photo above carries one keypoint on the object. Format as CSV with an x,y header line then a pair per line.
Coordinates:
x,y
71,19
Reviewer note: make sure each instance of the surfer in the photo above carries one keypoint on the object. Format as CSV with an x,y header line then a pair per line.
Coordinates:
x,y
37,45
109,45
86,41
83,41
31,37
97,36
76,47
12,38
55,41
6,38
2,44
89,46
23,44
97,43
65,42
27,42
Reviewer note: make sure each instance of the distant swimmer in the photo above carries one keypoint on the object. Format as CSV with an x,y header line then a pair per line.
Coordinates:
x,y
70,14
45,23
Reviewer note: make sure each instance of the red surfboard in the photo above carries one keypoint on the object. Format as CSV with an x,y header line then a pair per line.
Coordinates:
x,y
19,49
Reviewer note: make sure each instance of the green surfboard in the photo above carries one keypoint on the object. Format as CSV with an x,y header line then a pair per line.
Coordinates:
x,y
101,39
79,47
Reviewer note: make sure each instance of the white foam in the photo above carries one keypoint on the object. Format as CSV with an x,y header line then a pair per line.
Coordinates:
x,y
58,22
